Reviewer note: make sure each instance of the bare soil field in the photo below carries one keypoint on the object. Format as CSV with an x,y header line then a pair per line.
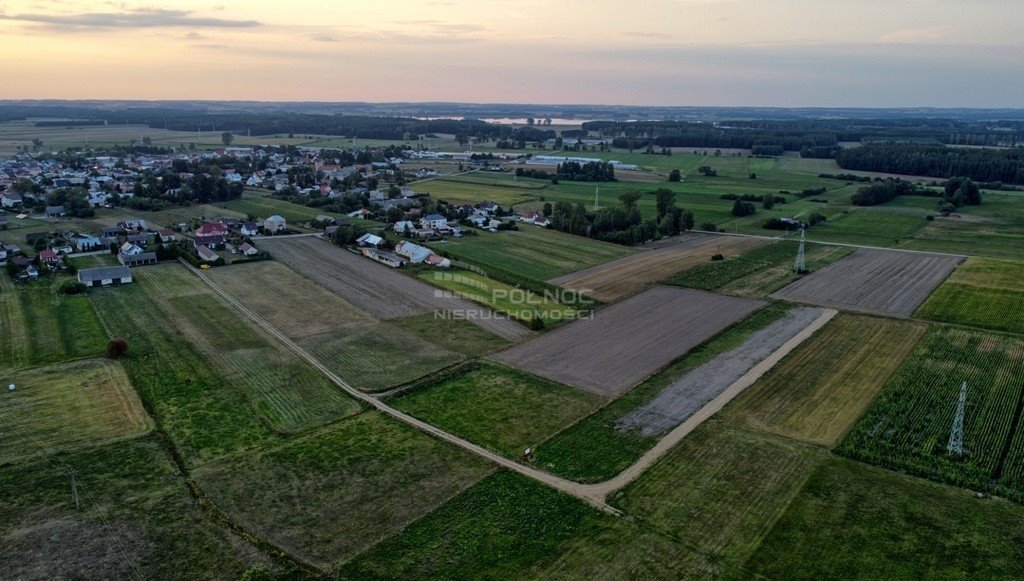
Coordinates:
x,y
880,282
627,342
375,288
692,391
620,278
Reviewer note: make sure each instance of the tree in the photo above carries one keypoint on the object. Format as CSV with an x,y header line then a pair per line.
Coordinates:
x,y
227,137
665,200
546,210
530,121
629,199
116,348
741,208
769,202
707,170
675,176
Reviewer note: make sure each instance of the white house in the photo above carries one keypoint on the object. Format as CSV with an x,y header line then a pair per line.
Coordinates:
x,y
248,249
206,254
435,221
250,229
275,224
402,226
10,200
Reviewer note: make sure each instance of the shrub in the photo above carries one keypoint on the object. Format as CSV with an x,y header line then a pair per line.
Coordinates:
x,y
718,257
709,226
741,208
71,287
116,348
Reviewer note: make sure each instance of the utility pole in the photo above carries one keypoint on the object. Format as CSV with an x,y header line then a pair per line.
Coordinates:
x,y
956,435
74,489
800,266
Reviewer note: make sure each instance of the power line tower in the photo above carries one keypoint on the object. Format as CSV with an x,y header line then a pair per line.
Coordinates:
x,y
800,265
956,435
596,192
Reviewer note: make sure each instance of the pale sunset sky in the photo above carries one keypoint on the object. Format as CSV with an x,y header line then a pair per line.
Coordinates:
x,y
872,53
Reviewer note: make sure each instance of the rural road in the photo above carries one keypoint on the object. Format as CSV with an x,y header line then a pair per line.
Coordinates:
x,y
593,494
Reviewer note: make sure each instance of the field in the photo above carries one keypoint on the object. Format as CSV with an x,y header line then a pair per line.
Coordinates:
x,y
261,205
982,293
64,407
818,391
869,523
136,520
370,354
286,391
691,392
595,449
503,409
759,272
498,296
39,326
532,251
620,278
873,281
604,364
380,291
331,495
909,424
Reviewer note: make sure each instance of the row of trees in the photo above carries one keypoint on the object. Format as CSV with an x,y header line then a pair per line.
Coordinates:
x,y
623,224
956,192
986,165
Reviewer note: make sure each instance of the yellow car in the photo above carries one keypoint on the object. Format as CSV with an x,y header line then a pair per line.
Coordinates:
x,y
204,266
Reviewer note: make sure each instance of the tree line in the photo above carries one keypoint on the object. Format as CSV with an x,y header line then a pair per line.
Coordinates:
x,y
623,224
985,165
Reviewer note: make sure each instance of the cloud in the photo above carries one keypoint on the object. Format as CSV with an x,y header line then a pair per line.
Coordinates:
x,y
132,19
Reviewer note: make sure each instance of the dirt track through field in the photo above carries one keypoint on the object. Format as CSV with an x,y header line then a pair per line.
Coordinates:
x,y
594,494
626,342
879,282
614,280
377,289
694,390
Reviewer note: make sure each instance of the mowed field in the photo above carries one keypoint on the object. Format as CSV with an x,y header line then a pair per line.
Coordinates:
x,y
376,289
532,251
67,406
983,293
909,424
620,278
624,343
873,281
369,353
498,296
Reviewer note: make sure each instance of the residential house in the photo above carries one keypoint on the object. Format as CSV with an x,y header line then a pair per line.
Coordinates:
x,y
112,231
133,224
130,249
360,213
248,249
166,235
50,258
250,229
434,221
403,226
10,200
275,224
55,211
205,254
211,234
105,276
438,261
87,242
488,207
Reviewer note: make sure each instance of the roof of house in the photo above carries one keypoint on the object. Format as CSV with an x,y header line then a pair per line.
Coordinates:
x,y
205,253
246,247
276,218
55,209
211,229
103,273
47,255
433,217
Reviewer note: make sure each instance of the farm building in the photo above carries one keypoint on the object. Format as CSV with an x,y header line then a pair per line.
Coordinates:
x,y
55,211
371,240
130,249
106,276
414,252
387,258
137,259
275,224
206,254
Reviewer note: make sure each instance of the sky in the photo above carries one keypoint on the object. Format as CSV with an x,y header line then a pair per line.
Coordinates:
x,y
785,53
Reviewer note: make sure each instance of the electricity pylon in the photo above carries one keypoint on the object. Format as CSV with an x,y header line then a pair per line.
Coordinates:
x,y
800,265
956,435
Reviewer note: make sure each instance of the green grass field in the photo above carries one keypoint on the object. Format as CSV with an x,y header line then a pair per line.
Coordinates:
x,y
532,251
759,272
908,426
68,406
500,297
136,520
498,407
594,449
38,325
982,293
862,522
334,493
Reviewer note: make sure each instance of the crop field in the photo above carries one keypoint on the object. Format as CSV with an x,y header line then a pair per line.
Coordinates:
x,y
662,324
595,449
458,190
136,520
380,291
909,424
870,523
335,493
503,409
994,229
720,490
68,406
532,251
691,392
290,394
498,296
819,391
39,325
982,293
873,281
759,272
620,278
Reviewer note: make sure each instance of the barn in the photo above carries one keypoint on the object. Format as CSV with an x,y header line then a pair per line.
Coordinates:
x,y
105,276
